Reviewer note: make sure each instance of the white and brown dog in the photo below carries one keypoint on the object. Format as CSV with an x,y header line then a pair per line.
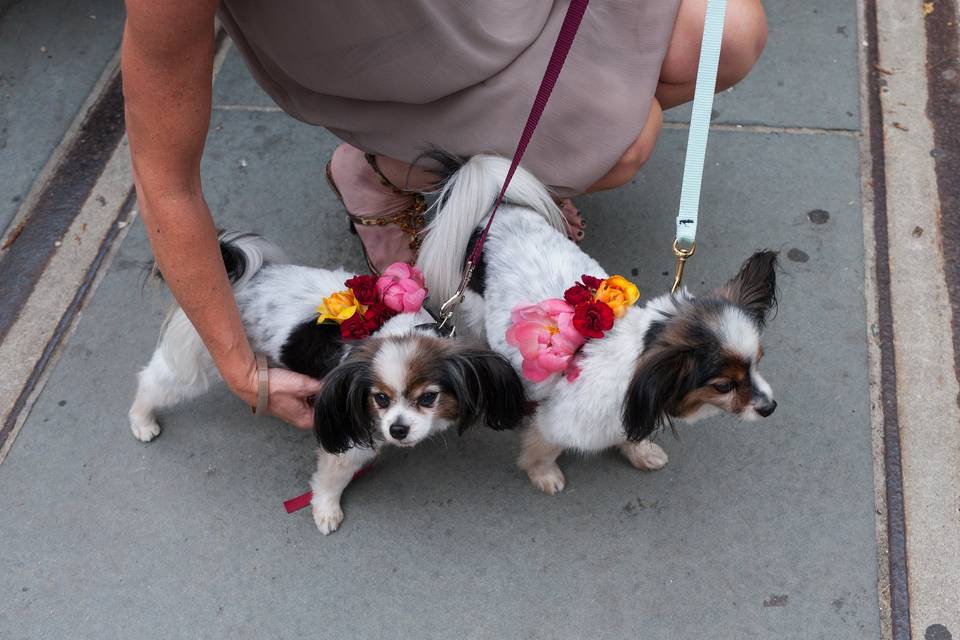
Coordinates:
x,y
397,387
676,357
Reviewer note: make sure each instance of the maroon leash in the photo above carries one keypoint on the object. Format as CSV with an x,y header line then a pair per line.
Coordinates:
x,y
568,31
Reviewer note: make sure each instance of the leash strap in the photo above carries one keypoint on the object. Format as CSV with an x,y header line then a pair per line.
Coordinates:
x,y
688,214
568,31
303,500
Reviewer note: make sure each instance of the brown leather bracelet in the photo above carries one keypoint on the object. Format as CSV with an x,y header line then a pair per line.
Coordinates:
x,y
263,386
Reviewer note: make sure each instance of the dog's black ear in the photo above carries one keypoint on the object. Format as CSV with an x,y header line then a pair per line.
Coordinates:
x,y
754,288
663,378
486,386
342,414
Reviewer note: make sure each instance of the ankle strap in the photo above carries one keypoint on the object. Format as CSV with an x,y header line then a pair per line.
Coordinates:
x,y
372,161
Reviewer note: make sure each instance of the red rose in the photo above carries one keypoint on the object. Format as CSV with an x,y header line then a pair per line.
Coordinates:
x,y
592,319
354,328
376,314
591,282
364,289
577,294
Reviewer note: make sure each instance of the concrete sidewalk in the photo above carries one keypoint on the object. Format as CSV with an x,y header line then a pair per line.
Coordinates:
x,y
765,530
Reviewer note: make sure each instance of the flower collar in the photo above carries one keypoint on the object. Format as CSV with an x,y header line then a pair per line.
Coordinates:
x,y
369,301
551,333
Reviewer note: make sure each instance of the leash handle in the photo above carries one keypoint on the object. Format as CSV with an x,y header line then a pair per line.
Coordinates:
x,y
688,213
568,31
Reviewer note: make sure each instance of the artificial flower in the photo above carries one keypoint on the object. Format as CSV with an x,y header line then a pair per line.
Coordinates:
x,y
591,282
592,319
401,288
364,288
577,294
545,335
356,327
618,293
339,307
378,313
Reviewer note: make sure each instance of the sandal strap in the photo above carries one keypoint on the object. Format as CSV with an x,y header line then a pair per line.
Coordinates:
x,y
410,220
372,161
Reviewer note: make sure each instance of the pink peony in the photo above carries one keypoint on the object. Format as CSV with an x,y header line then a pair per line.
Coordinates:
x,y
401,288
546,337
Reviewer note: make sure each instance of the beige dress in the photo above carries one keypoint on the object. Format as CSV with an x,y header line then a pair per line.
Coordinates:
x,y
398,77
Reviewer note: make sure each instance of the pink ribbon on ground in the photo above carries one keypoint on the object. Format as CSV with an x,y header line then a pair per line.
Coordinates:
x,y
302,501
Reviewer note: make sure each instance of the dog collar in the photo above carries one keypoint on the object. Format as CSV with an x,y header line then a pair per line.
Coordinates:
x,y
550,334
369,301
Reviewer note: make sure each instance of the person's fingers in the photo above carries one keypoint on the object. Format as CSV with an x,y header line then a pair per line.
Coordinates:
x,y
285,381
309,386
293,412
304,417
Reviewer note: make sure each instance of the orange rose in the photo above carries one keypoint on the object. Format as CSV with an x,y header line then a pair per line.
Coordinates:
x,y
618,293
338,307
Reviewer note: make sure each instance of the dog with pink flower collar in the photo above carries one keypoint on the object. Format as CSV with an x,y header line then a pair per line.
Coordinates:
x,y
388,377
618,373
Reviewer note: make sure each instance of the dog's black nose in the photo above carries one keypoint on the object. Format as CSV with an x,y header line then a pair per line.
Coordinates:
x,y
766,409
399,431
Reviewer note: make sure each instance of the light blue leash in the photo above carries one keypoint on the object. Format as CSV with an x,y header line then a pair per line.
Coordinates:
x,y
685,243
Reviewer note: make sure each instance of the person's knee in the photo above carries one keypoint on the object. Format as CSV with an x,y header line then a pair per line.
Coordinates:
x,y
636,155
744,37
642,148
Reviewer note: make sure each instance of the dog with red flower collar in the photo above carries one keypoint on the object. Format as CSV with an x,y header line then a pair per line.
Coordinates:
x,y
388,377
603,371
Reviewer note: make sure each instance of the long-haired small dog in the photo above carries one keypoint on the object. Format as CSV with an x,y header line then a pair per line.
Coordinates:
x,y
676,357
398,387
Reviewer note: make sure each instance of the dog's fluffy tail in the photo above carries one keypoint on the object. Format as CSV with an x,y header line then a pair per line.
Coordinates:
x,y
465,199
244,254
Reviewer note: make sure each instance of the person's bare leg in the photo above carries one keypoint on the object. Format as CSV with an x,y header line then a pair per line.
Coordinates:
x,y
636,154
744,36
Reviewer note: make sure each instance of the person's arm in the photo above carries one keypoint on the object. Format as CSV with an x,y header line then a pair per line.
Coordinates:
x,y
167,65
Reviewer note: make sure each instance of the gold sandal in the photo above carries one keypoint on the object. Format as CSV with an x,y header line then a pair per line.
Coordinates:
x,y
411,220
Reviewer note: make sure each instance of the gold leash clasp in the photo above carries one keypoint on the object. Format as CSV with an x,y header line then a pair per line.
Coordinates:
x,y
450,306
682,256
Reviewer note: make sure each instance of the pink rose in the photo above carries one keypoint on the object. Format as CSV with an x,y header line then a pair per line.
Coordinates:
x,y
401,288
545,335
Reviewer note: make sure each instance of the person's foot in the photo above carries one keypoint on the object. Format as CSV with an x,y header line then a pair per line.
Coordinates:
x,y
575,223
386,218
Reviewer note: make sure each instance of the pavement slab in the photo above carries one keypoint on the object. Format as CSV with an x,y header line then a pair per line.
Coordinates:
x,y
236,87
763,530
776,529
807,75
52,52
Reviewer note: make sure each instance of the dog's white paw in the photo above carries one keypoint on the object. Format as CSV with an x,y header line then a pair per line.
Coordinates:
x,y
645,455
327,517
547,478
144,430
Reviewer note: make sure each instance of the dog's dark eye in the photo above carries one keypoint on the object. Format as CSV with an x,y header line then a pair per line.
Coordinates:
x,y
427,399
382,400
723,387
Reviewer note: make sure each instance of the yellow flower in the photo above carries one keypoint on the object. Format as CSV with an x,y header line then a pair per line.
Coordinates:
x,y
618,293
338,307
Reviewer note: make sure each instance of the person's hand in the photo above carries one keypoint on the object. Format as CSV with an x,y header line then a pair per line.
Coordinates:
x,y
290,396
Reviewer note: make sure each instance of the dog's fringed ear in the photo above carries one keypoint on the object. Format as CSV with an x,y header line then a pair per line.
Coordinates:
x,y
341,415
754,288
486,386
663,378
